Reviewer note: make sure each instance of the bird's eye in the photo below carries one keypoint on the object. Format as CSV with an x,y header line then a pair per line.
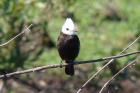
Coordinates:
x,y
67,28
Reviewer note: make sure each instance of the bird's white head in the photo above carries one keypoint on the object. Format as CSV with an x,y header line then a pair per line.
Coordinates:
x,y
68,27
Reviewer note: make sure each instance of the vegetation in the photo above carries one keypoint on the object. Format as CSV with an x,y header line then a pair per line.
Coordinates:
x,y
105,27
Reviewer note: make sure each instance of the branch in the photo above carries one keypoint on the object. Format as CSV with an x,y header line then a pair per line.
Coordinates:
x,y
8,75
113,77
94,75
24,31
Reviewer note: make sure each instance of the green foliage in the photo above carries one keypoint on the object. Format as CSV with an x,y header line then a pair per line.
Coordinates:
x,y
15,15
104,27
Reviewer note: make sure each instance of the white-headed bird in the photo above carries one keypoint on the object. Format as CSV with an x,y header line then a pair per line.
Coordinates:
x,y
68,45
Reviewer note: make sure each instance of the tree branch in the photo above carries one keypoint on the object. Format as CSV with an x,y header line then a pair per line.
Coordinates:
x,y
8,75
24,31
113,77
112,60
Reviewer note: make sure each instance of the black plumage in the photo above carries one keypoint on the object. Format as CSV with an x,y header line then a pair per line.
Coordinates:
x,y
68,48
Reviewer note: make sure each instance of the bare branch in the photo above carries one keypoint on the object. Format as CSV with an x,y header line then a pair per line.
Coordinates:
x,y
94,75
24,31
113,77
8,75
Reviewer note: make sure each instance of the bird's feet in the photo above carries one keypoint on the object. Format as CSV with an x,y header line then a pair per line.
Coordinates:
x,y
61,64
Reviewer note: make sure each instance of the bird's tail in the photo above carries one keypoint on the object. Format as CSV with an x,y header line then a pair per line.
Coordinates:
x,y
69,69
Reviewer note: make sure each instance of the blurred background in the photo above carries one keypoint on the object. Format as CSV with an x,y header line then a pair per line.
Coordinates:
x,y
105,28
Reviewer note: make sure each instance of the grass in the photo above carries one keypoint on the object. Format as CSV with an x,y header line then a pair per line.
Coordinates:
x,y
99,36
97,40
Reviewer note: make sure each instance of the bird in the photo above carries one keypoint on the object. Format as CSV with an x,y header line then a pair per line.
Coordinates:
x,y
68,45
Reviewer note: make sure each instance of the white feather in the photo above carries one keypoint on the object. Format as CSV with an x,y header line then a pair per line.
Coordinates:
x,y
69,27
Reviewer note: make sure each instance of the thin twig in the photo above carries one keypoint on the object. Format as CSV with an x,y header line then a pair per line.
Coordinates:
x,y
26,29
8,75
94,75
113,77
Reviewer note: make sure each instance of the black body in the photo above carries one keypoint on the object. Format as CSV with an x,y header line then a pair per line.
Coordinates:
x,y
68,48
